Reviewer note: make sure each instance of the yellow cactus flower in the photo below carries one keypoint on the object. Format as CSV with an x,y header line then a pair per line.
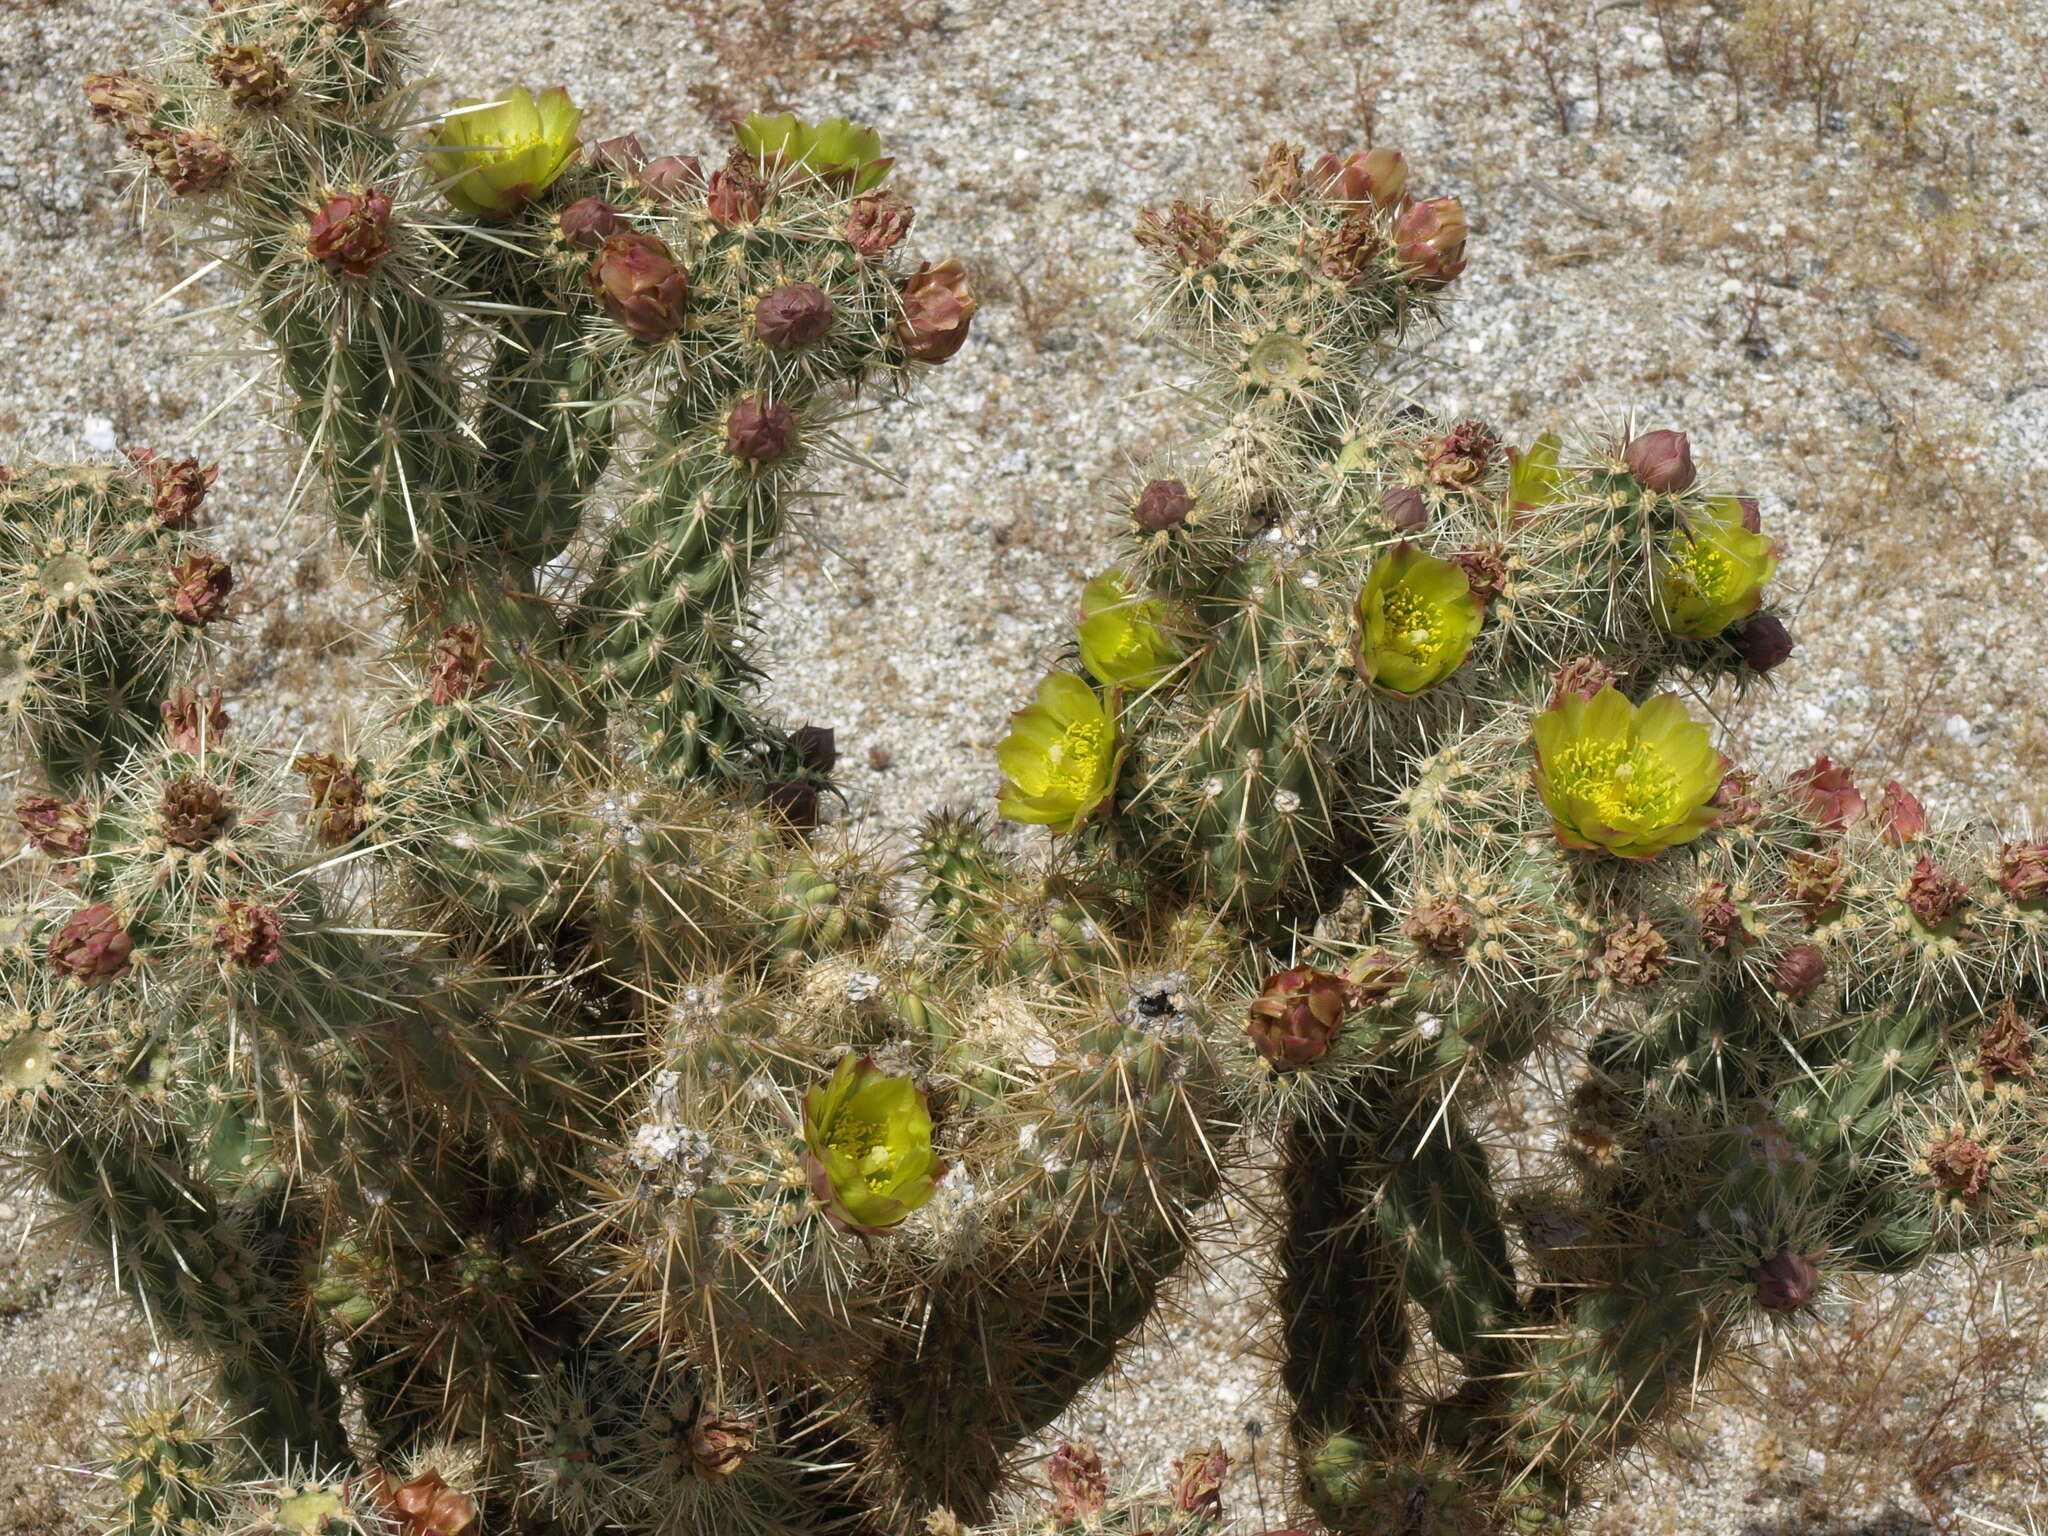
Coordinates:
x,y
837,152
1536,481
1122,642
1631,781
869,1140
1417,619
492,158
1714,574
1060,756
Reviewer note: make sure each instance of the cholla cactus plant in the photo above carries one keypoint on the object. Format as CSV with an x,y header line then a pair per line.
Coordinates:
x,y
533,1118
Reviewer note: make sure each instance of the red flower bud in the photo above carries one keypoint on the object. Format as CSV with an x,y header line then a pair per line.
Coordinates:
x,y
588,222
876,222
1162,505
1899,817
352,233
199,589
1405,508
1800,972
1786,1283
1661,461
1297,1016
1762,641
792,316
673,178
816,747
92,945
623,155
638,284
760,431
938,308
1430,240
795,802
1376,178
1827,793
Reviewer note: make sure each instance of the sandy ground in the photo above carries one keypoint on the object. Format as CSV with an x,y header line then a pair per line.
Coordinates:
x,y
1846,321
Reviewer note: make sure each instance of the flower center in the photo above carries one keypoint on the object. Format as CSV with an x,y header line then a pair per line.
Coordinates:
x,y
1626,782
1704,570
1414,628
862,1142
1076,758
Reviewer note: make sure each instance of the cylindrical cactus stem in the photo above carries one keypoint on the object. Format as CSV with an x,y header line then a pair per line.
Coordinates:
x,y
174,1469
209,1277
1343,1322
995,918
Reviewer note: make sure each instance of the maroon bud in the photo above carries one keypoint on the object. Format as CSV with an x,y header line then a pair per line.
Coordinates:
x,y
193,720
62,829
1661,461
624,155
1583,677
1800,972
816,747
1786,1283
760,431
1198,1482
1297,1016
352,233
1899,816
794,315
92,945
128,102
199,589
736,194
1080,1490
1934,894
1430,240
2023,871
796,802
1405,508
248,935
1827,793
1439,925
1162,505
673,178
938,308
179,485
187,161
877,221
1763,642
457,663
638,283
590,221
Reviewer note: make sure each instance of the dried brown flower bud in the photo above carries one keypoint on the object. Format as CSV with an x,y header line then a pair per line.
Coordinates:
x,y
253,77
180,485
187,161
1814,883
1350,253
1162,505
424,1505
1192,235
638,283
1960,1166
1786,1283
792,316
193,720
1900,820
1278,178
352,232
62,829
2006,1053
1634,955
736,194
128,102
92,944
193,812
1439,925
249,935
337,795
1376,178
719,1446
1080,1489
457,663
2023,871
760,431
1737,798
1198,1482
1721,924
938,309
1583,677
1430,240
1461,456
877,222
1486,570
1297,1016
1661,461
1373,978
588,222
200,585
